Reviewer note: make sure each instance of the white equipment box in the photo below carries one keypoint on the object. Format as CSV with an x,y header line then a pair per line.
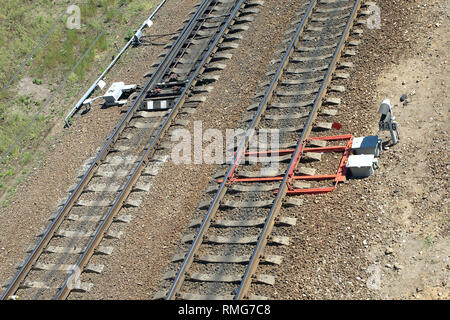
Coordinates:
x,y
362,166
116,90
367,145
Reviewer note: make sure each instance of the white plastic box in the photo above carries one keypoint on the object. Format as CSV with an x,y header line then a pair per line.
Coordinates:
x,y
361,166
367,145
116,90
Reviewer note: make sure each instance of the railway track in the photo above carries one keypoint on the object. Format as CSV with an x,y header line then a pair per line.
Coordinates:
x,y
111,185
229,239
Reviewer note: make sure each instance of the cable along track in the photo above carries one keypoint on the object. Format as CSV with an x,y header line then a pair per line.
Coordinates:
x,y
108,183
219,258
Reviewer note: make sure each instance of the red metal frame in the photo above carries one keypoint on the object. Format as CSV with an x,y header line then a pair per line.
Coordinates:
x,y
339,176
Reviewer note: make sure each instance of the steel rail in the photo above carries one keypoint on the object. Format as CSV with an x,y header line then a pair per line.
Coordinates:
x,y
125,48
62,213
206,222
83,260
270,221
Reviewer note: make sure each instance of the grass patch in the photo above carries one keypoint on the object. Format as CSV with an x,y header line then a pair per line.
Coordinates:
x,y
429,241
22,27
5,203
37,81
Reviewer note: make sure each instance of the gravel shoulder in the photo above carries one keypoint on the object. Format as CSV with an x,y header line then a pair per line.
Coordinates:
x,y
385,237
